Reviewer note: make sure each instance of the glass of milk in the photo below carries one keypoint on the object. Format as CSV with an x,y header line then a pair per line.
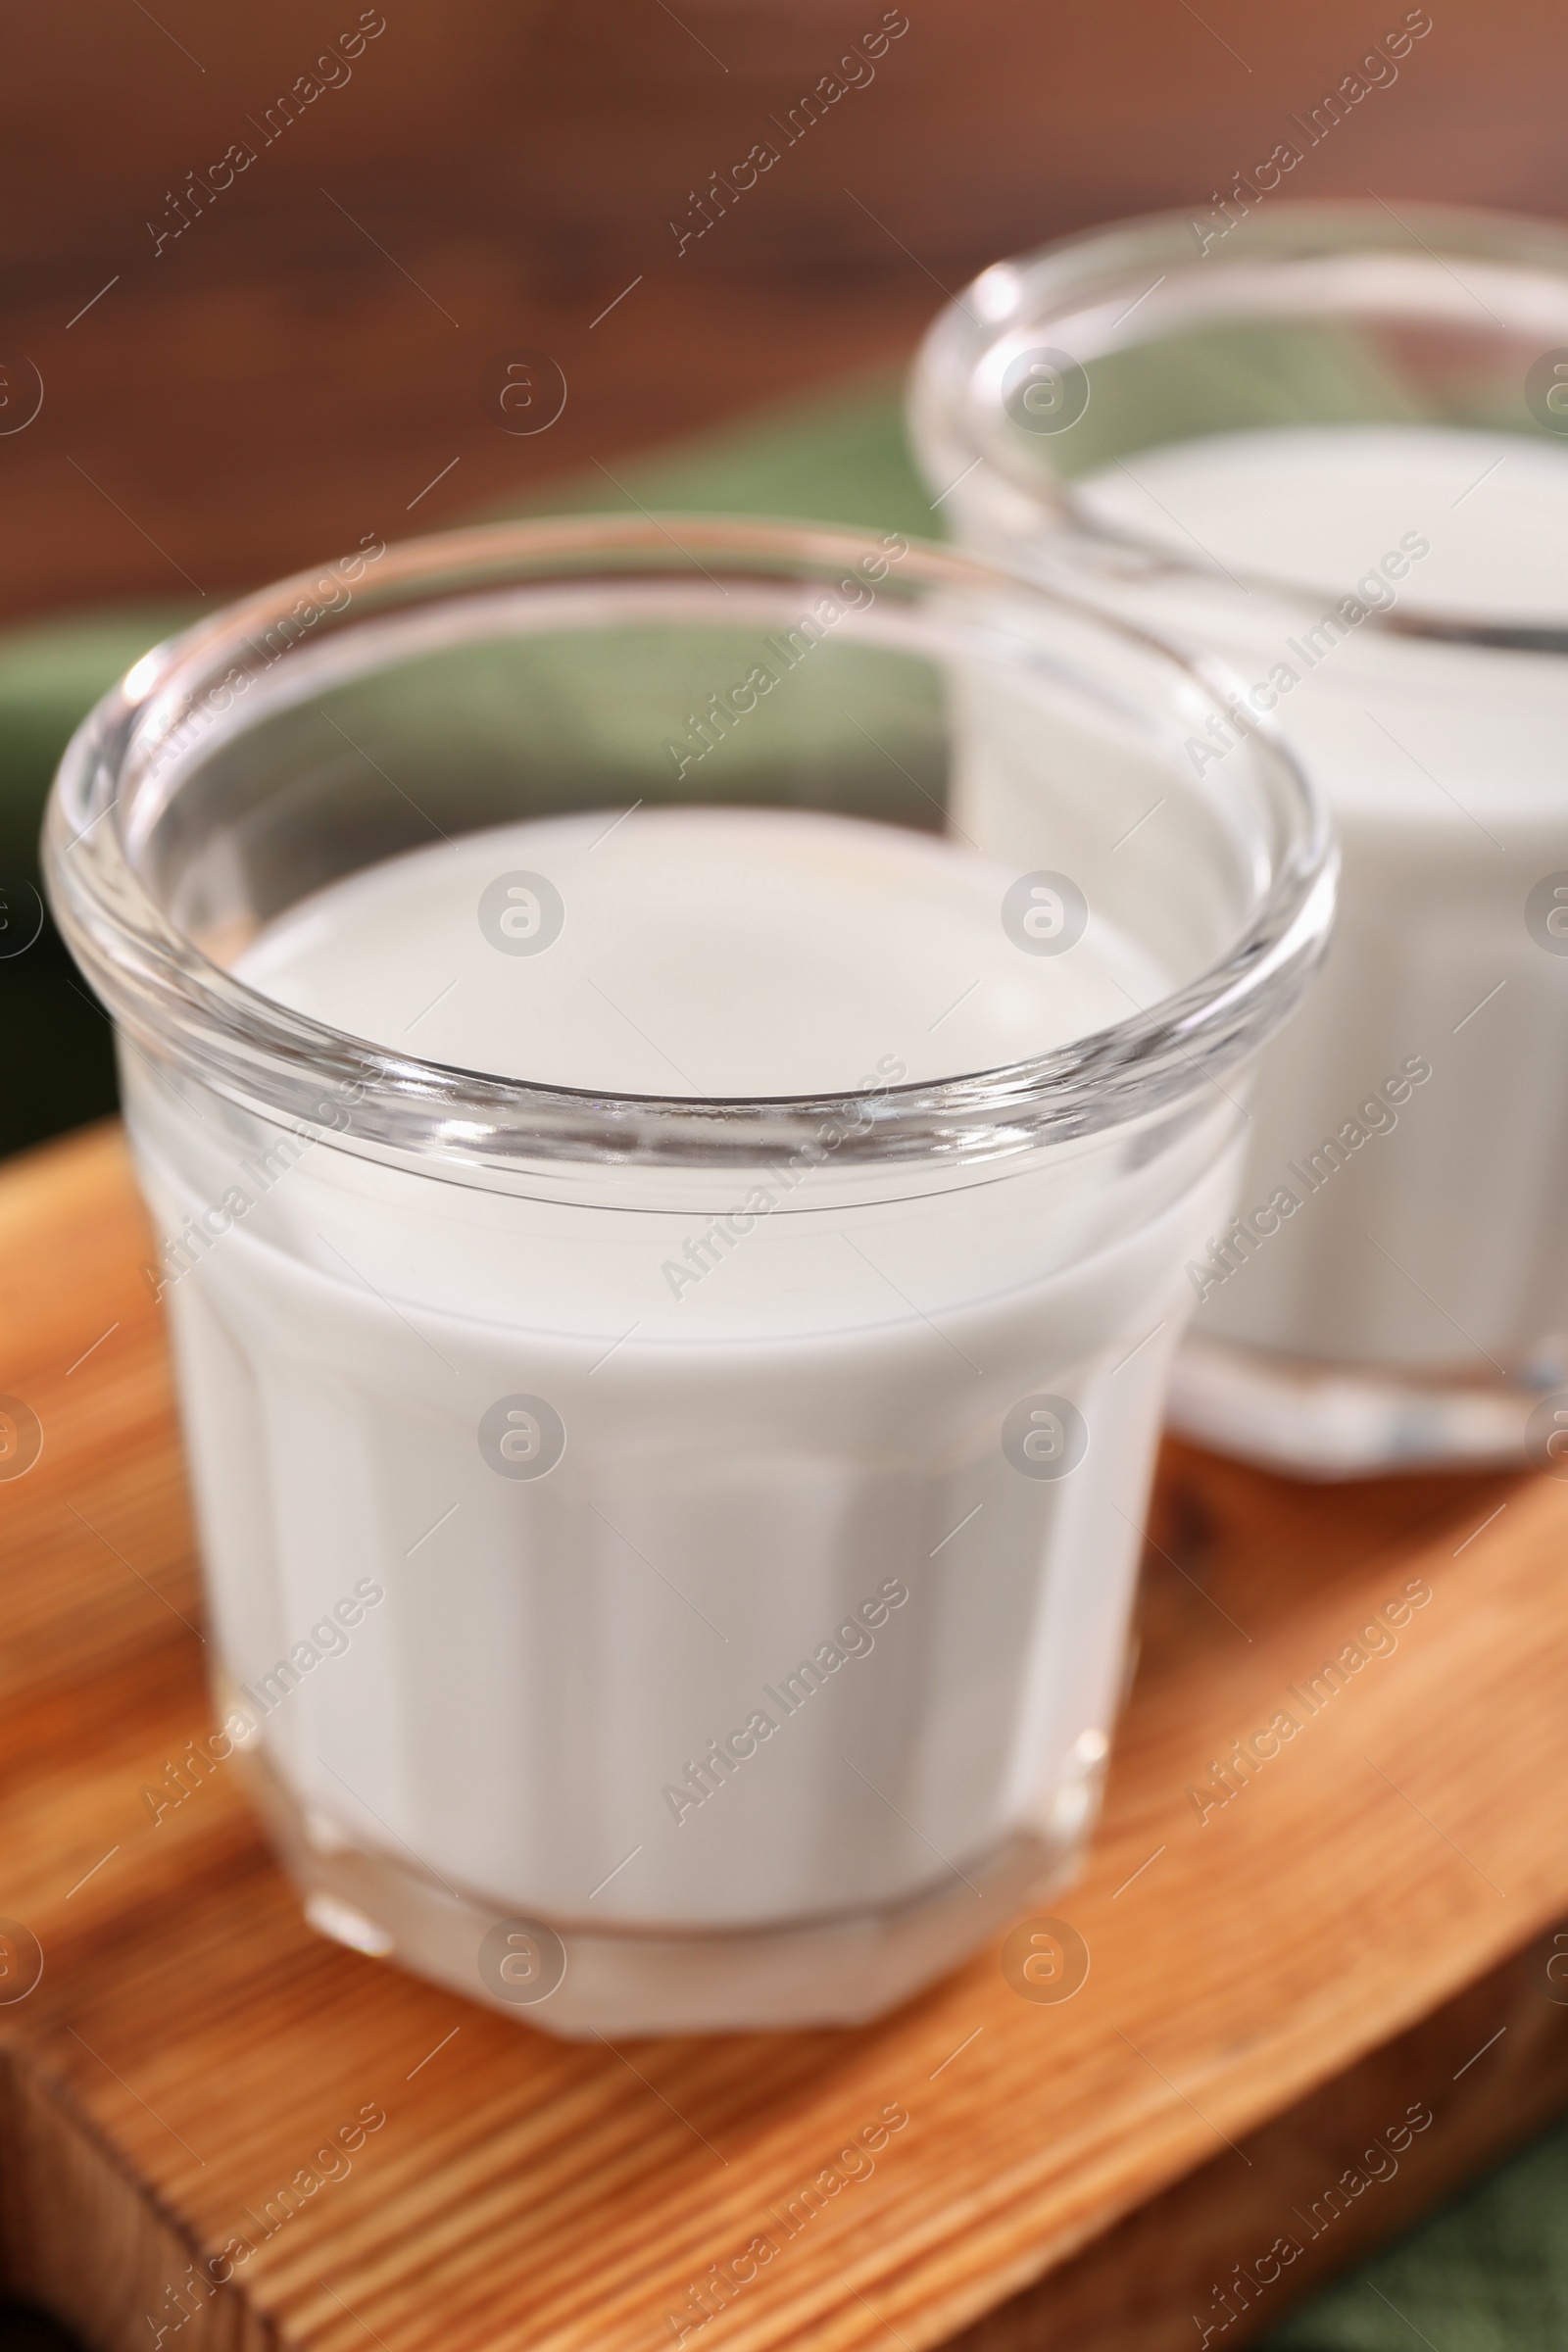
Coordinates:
x,y
1330,442
673,1251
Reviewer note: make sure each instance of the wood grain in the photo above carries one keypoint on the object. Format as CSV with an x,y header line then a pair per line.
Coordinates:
x,y
298,362
1364,1929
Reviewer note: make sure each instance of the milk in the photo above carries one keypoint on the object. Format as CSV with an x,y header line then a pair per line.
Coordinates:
x,y
700,951
763,1561
1433,1049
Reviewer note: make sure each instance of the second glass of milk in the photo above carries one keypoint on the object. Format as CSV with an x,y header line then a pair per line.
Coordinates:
x,y
1330,442
672,1251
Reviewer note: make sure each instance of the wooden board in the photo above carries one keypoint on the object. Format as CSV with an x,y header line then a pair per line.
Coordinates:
x,y
1362,1936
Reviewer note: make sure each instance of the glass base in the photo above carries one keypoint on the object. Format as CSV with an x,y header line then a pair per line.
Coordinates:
x,y
1330,1421
577,1981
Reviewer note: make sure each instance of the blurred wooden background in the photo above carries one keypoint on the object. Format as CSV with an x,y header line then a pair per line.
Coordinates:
x,y
314,348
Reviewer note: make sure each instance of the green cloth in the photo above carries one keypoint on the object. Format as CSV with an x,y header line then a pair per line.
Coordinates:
x,y
1488,2274
838,455
57,1066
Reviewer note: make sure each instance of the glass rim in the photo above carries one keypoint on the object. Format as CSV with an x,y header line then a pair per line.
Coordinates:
x,y
1097,270
184,1007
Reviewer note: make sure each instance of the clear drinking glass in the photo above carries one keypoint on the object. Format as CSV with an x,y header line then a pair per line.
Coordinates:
x,y
1326,440
668,1547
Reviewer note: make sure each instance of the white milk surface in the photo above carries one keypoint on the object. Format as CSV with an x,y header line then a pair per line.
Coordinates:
x,y
1322,504
702,952
784,1630
1431,1233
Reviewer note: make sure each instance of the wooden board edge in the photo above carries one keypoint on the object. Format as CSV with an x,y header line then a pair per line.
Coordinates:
x,y
87,2244
81,2239
1490,2069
